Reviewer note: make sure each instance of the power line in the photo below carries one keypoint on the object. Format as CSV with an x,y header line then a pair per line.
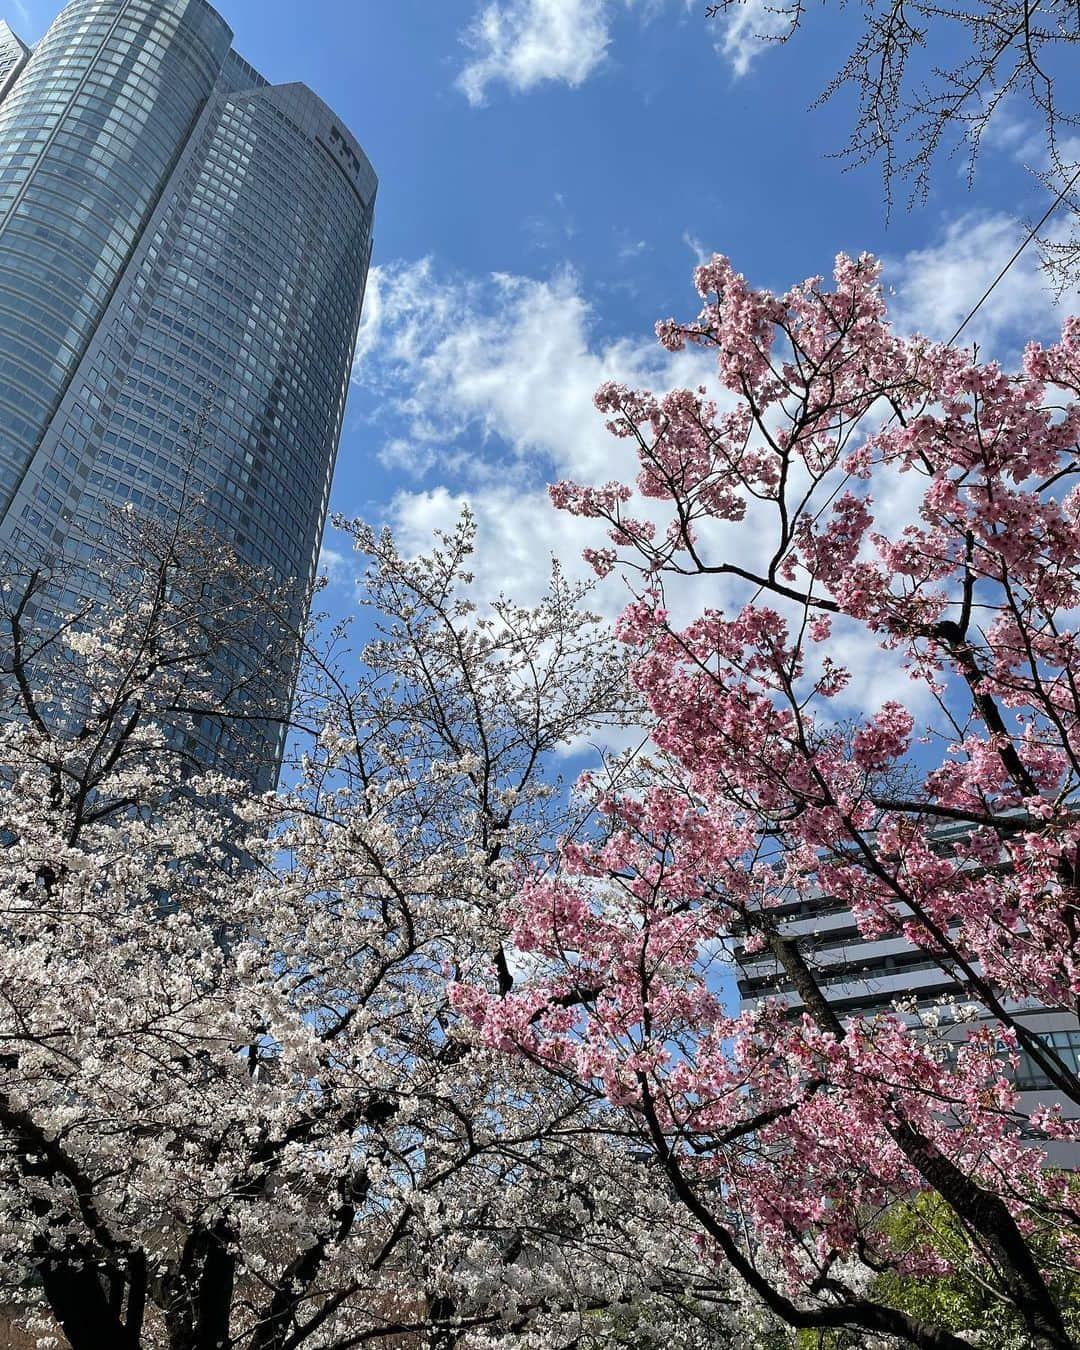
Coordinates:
x,y
1027,240
971,314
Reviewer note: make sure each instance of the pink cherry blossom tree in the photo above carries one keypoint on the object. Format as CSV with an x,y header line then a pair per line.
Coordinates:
x,y
851,500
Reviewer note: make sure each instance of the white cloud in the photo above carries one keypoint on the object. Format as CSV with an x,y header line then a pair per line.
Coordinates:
x,y
522,43
751,27
506,358
491,379
489,383
509,366
938,286
518,533
371,318
1012,131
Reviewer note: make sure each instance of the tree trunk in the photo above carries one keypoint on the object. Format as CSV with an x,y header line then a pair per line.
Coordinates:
x,y
77,1297
200,1292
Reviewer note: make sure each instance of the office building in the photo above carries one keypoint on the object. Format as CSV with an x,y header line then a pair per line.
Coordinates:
x,y
861,977
178,237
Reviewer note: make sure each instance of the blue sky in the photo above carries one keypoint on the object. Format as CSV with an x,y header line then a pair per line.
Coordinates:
x,y
549,172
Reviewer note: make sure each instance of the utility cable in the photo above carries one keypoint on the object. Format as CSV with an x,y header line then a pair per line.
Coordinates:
x,y
1027,240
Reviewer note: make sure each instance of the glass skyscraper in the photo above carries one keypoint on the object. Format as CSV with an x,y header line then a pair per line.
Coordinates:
x,y
179,241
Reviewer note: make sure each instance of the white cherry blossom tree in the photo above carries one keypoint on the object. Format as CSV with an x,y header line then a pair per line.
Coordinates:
x,y
236,1109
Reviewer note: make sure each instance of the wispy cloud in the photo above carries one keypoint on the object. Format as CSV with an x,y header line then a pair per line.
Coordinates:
x,y
696,247
749,29
522,43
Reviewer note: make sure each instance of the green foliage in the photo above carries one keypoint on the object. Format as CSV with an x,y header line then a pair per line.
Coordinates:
x,y
968,1299
965,1301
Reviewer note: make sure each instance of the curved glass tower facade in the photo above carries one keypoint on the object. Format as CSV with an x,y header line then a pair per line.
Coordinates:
x,y
180,242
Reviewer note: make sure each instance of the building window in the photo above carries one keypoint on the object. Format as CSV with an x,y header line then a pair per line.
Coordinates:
x,y
1066,1044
